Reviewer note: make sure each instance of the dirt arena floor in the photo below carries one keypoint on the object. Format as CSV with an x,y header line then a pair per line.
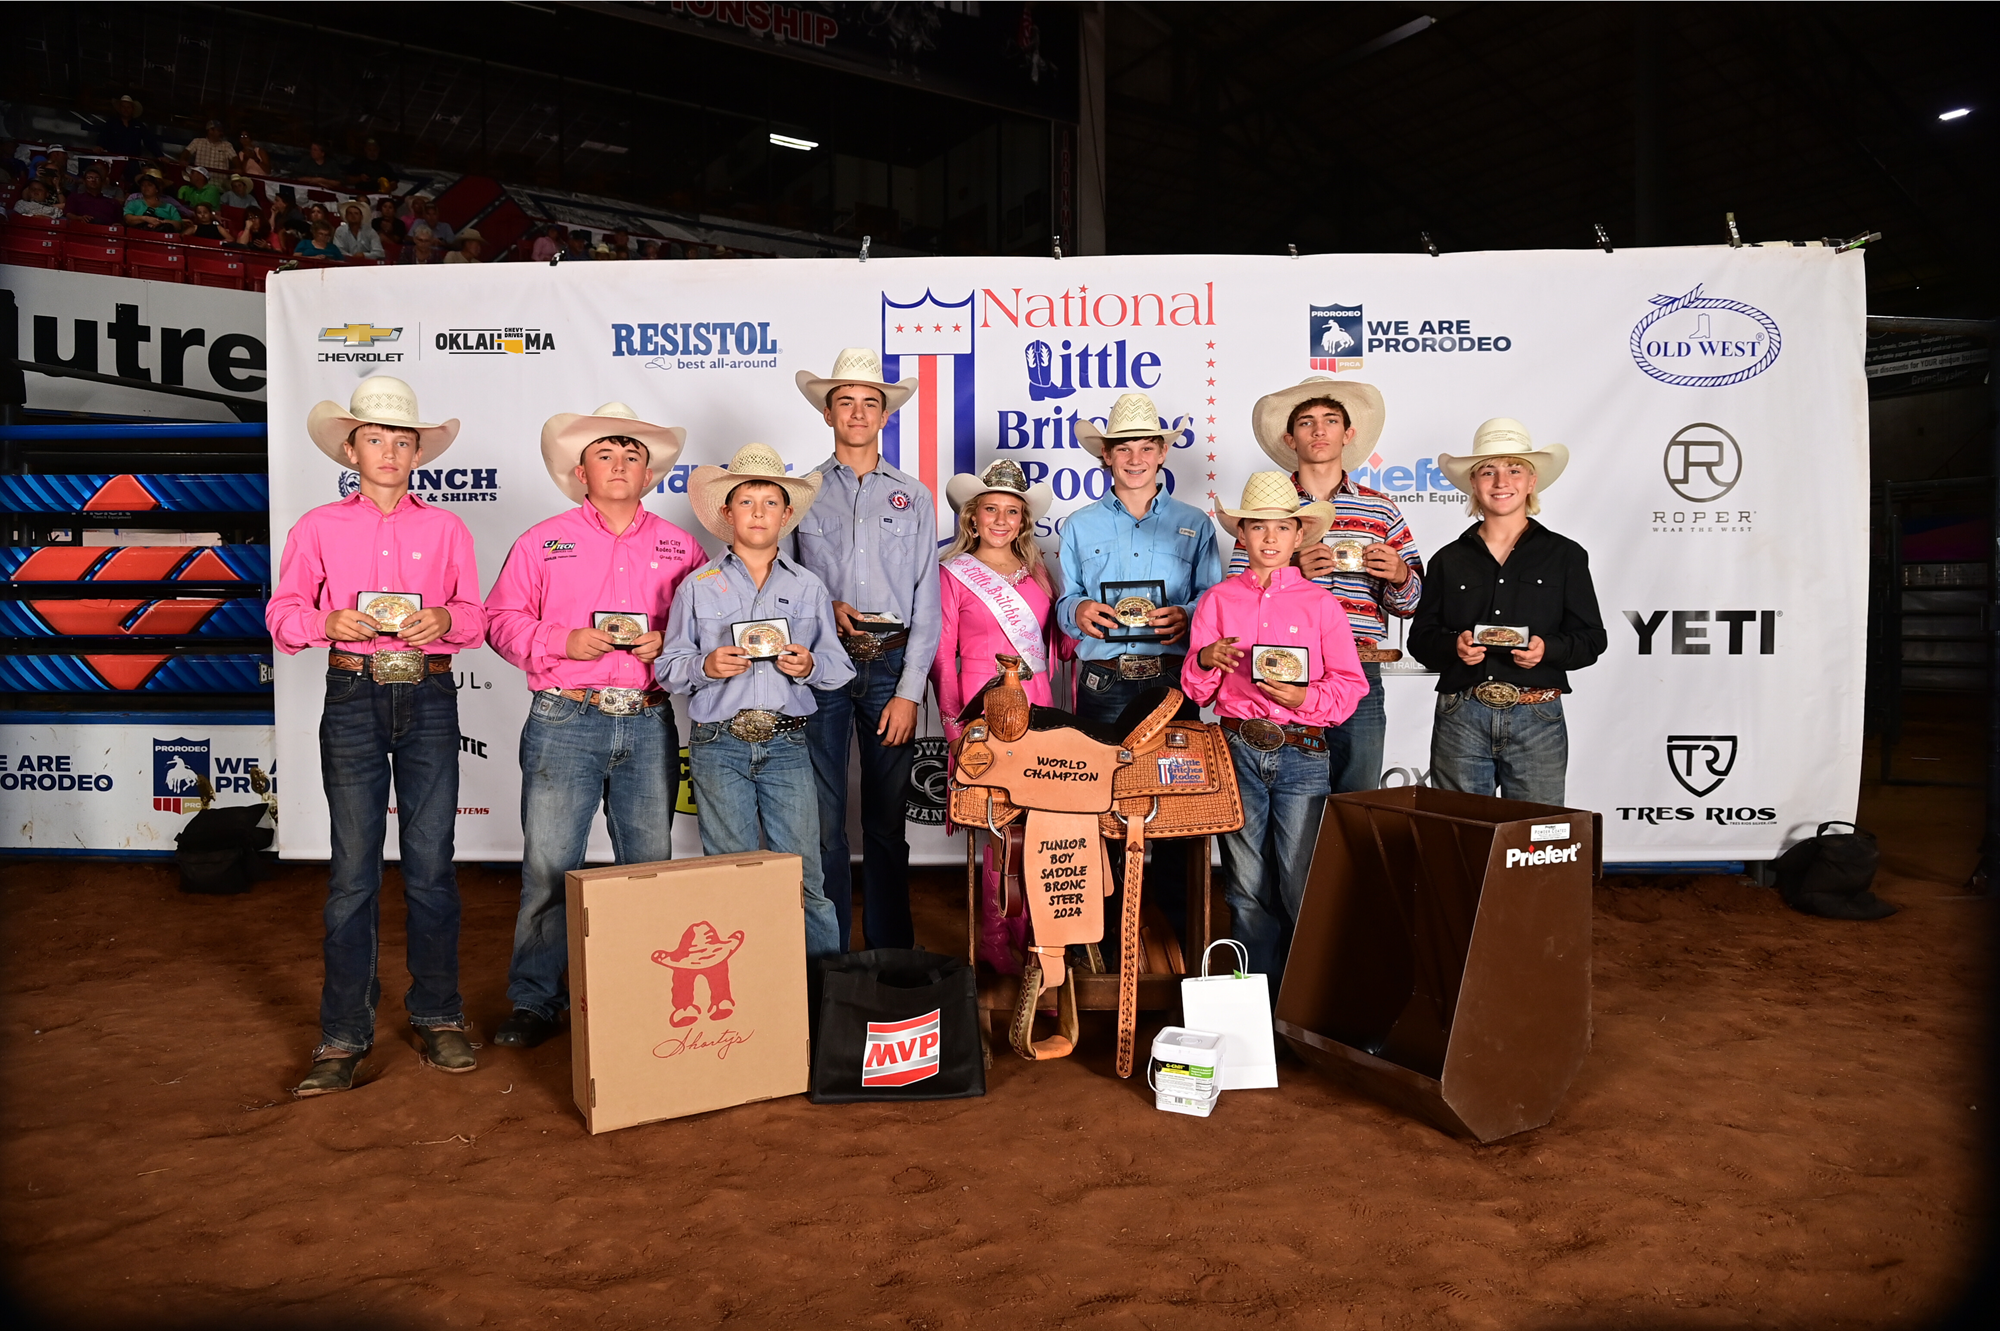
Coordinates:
x,y
1779,1124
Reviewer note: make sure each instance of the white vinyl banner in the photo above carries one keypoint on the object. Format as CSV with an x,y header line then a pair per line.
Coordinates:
x,y
1712,399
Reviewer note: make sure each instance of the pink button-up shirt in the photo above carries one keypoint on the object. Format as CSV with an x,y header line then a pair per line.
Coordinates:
x,y
563,570
338,550
1291,612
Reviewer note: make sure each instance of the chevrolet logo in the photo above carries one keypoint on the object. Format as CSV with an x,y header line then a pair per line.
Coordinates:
x,y
359,335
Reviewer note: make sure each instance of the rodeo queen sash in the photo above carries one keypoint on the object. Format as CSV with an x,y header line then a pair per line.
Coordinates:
x,y
1017,620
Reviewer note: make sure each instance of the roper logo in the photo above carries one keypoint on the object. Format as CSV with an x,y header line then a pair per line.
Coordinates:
x,y
1702,462
1546,855
1700,762
1334,334
900,1052
1697,341
180,766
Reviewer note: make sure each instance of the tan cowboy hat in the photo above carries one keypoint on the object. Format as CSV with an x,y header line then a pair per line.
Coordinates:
x,y
567,433
1271,494
1133,416
378,400
855,365
1003,477
138,107
1362,402
469,233
1504,437
708,487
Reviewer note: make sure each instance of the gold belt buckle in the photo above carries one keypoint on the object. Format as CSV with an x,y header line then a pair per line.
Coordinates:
x,y
621,702
1498,694
753,726
396,667
861,646
1139,666
1262,734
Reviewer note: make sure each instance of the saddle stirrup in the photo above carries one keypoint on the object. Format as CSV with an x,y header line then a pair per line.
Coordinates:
x,y
1020,1032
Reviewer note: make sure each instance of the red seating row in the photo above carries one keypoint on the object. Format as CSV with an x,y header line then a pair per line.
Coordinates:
x,y
117,251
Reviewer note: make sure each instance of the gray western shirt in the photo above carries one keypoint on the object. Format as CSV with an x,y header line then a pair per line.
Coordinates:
x,y
721,593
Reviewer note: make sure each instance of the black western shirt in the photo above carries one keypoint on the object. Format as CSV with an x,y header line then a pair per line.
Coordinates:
x,y
1545,584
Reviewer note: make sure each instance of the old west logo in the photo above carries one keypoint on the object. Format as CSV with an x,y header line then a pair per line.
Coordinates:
x,y
1699,341
494,341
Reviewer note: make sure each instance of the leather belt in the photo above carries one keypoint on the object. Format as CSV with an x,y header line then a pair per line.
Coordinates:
x,y
615,702
872,646
1268,736
393,667
1501,696
1369,651
1134,666
755,726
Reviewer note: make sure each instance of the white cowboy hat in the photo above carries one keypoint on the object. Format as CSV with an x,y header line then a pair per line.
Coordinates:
x,y
855,365
1133,416
1271,494
708,487
378,400
567,433
1362,403
1504,437
1003,477
138,107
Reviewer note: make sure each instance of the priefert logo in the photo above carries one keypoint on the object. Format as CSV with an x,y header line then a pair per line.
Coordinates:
x,y
1546,855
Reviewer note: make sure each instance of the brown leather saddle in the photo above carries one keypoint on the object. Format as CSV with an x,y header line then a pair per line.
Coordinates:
x,y
1053,790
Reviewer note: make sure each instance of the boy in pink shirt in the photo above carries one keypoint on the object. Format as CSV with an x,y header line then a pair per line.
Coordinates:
x,y
389,587
1274,655
581,606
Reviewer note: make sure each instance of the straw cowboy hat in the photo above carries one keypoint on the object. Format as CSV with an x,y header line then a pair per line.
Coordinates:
x,y
138,107
567,433
378,400
1365,412
1503,437
1271,494
1133,416
1003,477
855,365
708,487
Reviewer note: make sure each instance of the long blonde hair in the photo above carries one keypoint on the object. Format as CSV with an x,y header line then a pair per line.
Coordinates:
x,y
1478,514
966,542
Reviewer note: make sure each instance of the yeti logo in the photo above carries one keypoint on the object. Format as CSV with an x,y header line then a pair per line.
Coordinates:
x,y
704,955
180,771
1334,337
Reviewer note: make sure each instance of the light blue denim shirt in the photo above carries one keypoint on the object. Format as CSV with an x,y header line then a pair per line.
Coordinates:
x,y
721,593
873,541
1102,542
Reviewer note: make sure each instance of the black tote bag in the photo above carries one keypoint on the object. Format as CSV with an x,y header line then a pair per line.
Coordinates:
x,y
896,1024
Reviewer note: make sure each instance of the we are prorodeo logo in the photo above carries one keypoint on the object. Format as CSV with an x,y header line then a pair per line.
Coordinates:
x,y
1698,341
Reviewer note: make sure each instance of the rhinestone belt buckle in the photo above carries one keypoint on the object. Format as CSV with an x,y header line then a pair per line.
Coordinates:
x,y
753,726
1498,694
396,667
621,702
861,646
1261,734
1136,666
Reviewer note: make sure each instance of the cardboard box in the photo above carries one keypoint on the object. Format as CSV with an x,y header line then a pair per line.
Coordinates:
x,y
688,980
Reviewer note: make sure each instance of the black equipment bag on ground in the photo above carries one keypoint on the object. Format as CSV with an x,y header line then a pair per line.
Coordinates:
x,y
218,849
896,1024
1831,875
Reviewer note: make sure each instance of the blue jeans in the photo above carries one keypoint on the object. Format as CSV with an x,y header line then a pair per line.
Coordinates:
x,y
1284,793
367,733
738,785
1522,752
1166,863
845,714
1359,767
574,758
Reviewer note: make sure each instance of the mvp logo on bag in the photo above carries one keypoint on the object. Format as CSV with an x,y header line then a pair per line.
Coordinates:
x,y
900,1052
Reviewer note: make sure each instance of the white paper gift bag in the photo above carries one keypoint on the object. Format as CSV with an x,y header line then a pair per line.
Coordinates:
x,y
1237,1006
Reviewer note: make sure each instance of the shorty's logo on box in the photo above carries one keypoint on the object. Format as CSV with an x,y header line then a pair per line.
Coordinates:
x,y
179,768
1546,855
900,1052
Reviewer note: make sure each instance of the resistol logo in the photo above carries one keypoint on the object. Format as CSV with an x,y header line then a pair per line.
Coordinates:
x,y
502,341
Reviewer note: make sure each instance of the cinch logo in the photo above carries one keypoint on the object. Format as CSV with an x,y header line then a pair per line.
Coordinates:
x,y
713,345
1334,334
1689,635
1546,855
1697,341
443,485
494,341
360,335
1702,462
900,1052
1700,762
180,766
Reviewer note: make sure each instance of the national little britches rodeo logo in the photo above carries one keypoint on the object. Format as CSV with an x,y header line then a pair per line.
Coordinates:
x,y
703,955
1697,341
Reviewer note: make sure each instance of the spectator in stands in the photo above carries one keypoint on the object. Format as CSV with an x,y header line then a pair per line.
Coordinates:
x,y
650,249
54,171
413,207
354,237
149,208
254,234
576,246
389,226
620,241
548,243
203,226
317,213
285,224
126,135
240,194
212,151
35,202
370,172
440,228
470,249
320,246
92,203
318,169
251,159
198,190
423,246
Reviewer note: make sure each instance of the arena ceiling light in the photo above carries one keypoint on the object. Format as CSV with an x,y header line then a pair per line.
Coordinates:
x,y
787,141
1959,114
